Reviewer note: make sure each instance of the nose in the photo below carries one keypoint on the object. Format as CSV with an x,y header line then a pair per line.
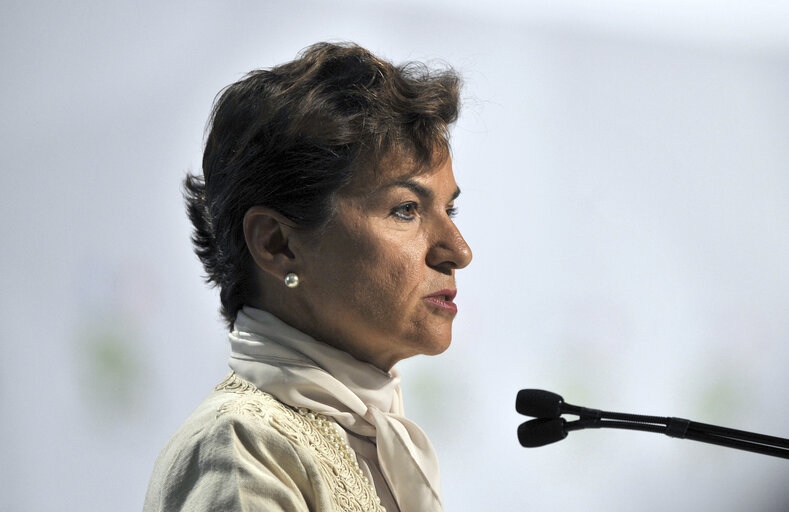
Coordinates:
x,y
449,251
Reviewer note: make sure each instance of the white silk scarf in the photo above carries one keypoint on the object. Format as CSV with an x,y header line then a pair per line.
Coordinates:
x,y
303,372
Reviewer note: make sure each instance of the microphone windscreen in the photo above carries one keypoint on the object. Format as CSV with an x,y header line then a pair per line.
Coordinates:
x,y
538,403
540,432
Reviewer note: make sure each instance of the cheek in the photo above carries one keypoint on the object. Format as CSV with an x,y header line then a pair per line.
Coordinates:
x,y
384,278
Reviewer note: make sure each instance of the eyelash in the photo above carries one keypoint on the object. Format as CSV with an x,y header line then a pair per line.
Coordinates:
x,y
399,210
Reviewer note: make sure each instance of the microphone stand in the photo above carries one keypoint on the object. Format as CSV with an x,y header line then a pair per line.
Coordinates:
x,y
549,426
686,429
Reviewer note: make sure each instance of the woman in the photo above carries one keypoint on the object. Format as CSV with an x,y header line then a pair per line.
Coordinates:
x,y
325,217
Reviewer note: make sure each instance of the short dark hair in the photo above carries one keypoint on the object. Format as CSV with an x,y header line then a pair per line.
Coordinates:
x,y
292,136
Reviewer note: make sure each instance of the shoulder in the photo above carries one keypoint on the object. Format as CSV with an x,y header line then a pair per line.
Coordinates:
x,y
242,449
234,412
229,455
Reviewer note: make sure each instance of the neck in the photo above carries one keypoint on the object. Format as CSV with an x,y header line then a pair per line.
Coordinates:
x,y
280,307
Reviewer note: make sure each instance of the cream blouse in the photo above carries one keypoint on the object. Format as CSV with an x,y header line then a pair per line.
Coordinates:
x,y
297,426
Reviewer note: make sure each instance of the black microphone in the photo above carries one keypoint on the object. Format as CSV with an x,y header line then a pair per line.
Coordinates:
x,y
549,426
539,403
541,431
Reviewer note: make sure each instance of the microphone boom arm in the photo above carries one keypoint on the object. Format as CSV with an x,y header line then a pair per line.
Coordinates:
x,y
552,428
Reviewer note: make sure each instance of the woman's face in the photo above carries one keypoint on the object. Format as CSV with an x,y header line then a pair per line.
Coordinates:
x,y
379,280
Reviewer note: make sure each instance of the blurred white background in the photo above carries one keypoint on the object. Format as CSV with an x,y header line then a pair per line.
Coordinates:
x,y
625,176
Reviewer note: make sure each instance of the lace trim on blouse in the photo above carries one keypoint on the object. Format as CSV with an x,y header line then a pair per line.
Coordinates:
x,y
351,490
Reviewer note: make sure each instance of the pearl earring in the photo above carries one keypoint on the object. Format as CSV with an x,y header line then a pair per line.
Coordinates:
x,y
291,280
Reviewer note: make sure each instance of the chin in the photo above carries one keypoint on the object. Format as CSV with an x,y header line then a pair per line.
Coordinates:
x,y
439,350
437,346
427,342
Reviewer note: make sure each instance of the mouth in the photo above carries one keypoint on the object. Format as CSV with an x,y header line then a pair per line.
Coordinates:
x,y
442,299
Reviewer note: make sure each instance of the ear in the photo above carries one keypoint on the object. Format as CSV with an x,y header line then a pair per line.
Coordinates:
x,y
267,233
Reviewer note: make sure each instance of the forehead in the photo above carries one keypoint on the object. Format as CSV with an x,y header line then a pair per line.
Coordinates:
x,y
398,169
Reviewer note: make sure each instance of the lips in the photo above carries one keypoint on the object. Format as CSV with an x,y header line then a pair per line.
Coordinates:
x,y
442,299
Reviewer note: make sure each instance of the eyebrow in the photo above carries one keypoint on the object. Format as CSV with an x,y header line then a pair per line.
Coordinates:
x,y
418,189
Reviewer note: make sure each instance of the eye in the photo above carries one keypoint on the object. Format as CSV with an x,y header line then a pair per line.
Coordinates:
x,y
406,211
452,212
